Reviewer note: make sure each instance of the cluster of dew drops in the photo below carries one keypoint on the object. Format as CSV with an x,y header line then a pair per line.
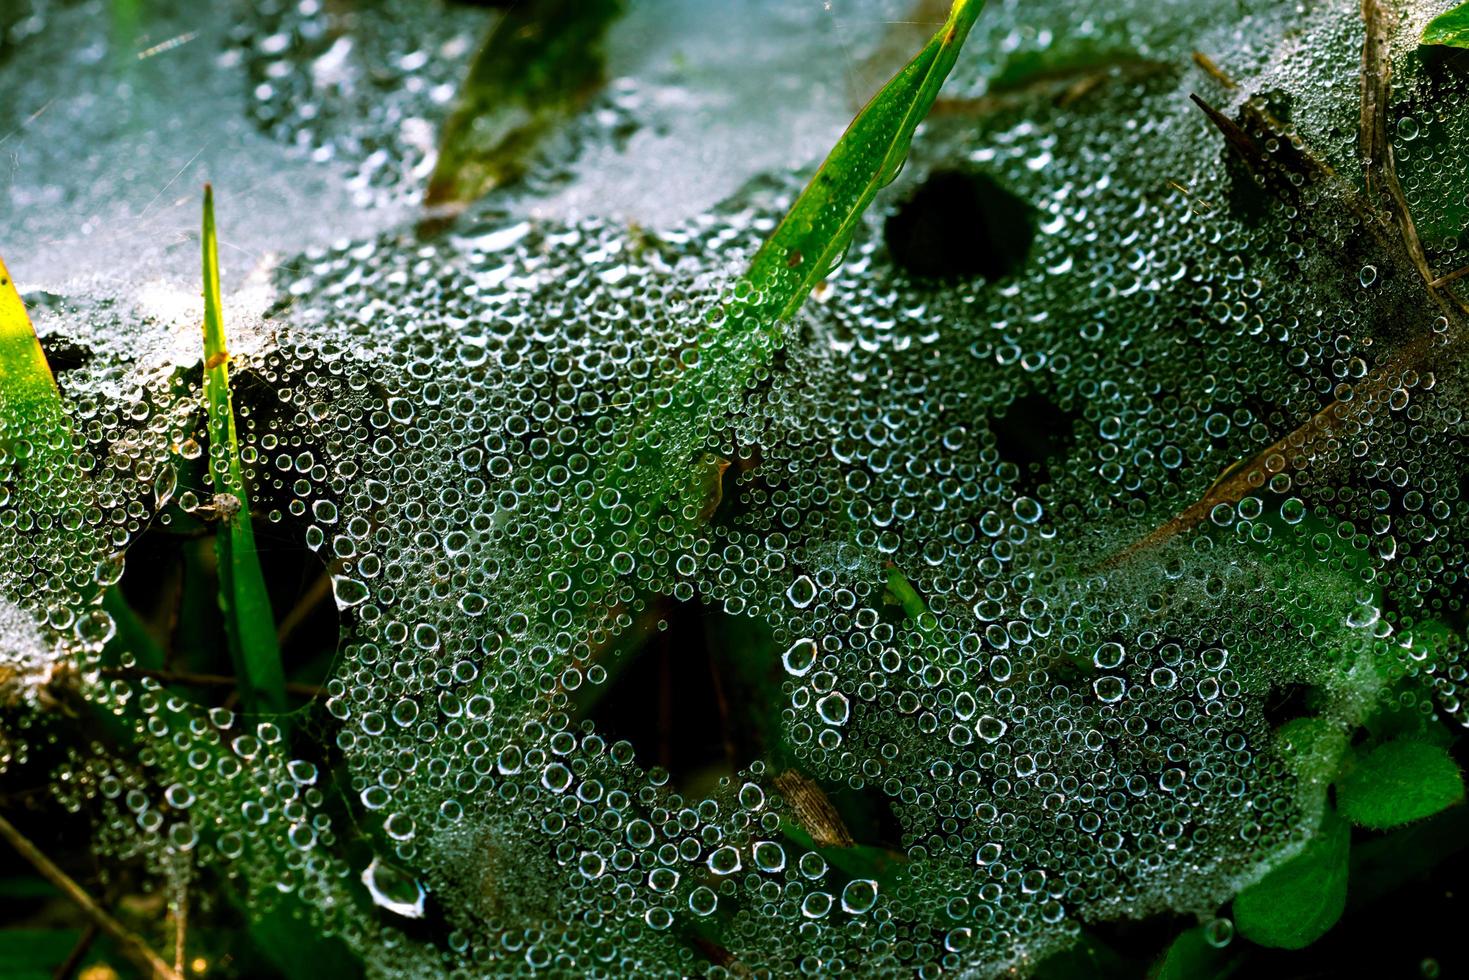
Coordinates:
x,y
916,491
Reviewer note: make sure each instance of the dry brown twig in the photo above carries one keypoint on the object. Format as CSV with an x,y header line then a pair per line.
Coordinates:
x,y
187,679
813,810
1320,436
128,943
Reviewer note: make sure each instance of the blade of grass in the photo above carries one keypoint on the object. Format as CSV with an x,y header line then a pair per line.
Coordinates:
x,y
33,426
540,61
807,244
129,944
815,233
37,458
249,622
741,334
27,389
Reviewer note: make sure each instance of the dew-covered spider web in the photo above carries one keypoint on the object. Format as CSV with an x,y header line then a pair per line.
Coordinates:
x,y
968,701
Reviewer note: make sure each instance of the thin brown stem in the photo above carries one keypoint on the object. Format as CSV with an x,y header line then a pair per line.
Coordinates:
x,y
129,943
318,593
1449,277
180,926
1212,70
1313,440
78,952
188,679
1378,165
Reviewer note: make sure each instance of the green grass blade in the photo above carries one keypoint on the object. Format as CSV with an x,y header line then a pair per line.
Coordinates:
x,y
249,622
814,234
540,61
802,250
37,457
28,395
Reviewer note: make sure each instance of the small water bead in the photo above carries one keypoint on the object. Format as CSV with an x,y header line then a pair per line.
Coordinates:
x,y
591,865
834,709
752,797
859,896
1109,689
799,657
724,860
816,905
348,591
640,833
394,889
399,826
1027,510
802,592
990,728
1109,655
703,901
769,856
812,865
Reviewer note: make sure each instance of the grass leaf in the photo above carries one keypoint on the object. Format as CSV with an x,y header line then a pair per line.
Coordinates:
x,y
1399,782
1450,28
28,395
1295,904
34,429
540,61
249,623
809,240
814,234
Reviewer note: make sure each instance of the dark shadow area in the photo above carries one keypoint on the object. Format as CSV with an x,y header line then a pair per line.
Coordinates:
x,y
170,579
960,224
1032,433
699,698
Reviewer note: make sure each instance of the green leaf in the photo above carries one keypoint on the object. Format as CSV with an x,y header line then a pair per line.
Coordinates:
x,y
814,234
1449,28
249,622
131,635
1399,782
1089,958
1295,904
858,861
35,953
288,941
1191,955
743,333
540,61
1383,865
37,457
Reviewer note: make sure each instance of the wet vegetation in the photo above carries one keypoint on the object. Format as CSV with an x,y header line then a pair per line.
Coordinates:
x,y
1028,541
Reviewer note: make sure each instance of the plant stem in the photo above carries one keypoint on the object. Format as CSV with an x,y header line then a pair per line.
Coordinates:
x,y
188,679
130,944
78,952
249,622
